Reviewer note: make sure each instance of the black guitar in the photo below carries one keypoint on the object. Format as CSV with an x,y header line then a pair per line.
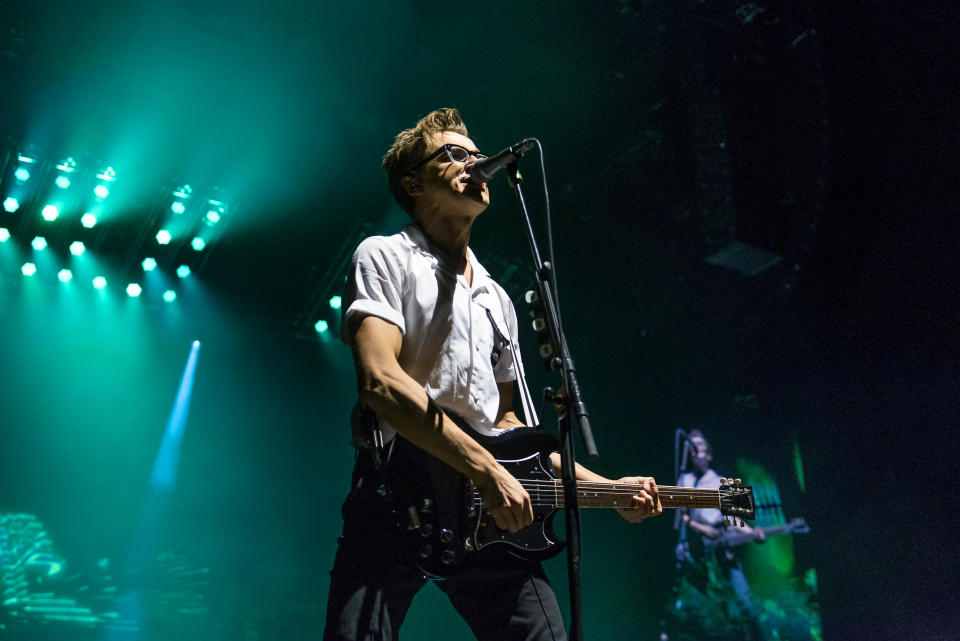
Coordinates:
x,y
442,517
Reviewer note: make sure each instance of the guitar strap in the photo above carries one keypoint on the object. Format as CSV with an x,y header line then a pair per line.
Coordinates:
x,y
510,316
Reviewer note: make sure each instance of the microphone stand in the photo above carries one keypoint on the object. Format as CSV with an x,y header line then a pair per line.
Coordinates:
x,y
570,408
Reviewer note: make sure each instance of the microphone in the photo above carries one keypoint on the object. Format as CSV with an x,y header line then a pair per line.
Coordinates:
x,y
483,170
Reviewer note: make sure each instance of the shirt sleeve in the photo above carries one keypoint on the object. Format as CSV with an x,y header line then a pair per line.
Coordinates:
x,y
374,285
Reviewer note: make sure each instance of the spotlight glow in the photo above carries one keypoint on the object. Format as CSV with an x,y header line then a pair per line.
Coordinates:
x,y
28,269
99,282
88,220
65,275
213,217
321,326
11,204
178,207
77,248
101,191
183,271
62,182
39,243
133,290
163,237
50,213
198,244
335,302
169,296
4,234
149,264
22,174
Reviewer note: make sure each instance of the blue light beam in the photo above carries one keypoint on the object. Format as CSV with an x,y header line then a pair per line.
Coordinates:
x,y
164,474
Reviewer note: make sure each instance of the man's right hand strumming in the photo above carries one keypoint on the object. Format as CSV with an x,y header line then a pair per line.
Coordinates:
x,y
505,499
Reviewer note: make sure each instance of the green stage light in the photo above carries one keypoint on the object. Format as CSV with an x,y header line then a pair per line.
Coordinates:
x,y
321,326
213,217
88,220
178,207
183,271
335,302
62,182
65,275
169,296
198,244
50,212
163,237
99,282
133,290
101,191
4,234
108,175
77,248
149,264
39,243
28,269
22,174
11,204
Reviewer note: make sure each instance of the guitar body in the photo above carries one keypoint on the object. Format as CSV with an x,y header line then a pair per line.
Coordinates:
x,y
439,512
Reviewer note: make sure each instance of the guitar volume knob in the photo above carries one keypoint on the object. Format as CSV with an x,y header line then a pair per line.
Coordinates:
x,y
426,530
446,535
447,557
426,550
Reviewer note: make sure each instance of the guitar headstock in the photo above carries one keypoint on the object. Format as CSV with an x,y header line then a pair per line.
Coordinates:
x,y
736,500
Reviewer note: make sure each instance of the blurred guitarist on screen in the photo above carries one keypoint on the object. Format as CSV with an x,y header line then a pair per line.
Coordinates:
x,y
702,530
433,337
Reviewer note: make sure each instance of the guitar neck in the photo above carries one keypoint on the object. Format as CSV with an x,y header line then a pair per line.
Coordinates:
x,y
621,495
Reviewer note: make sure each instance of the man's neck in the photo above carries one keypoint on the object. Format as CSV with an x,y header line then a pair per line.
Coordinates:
x,y
449,236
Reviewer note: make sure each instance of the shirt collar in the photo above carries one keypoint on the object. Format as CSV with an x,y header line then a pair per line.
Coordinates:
x,y
419,241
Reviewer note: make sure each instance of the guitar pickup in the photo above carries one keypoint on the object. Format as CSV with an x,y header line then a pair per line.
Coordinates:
x,y
414,522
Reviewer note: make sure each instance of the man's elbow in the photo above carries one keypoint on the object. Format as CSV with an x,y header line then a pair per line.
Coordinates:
x,y
376,389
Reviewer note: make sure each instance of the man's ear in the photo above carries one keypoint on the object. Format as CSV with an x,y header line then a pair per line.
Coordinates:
x,y
410,184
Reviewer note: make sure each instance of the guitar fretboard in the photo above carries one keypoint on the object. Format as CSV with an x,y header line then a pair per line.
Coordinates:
x,y
615,495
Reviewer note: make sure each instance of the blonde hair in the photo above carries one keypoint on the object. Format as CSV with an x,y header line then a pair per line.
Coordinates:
x,y
410,146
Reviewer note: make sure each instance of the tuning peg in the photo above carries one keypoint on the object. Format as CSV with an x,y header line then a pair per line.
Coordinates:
x,y
723,480
736,482
742,523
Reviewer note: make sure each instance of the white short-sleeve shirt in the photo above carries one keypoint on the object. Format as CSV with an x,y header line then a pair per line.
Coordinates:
x,y
448,339
709,481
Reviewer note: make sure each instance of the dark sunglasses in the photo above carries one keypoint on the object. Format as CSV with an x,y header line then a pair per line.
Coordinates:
x,y
455,153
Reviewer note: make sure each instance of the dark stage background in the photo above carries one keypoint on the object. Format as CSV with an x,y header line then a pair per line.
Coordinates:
x,y
823,134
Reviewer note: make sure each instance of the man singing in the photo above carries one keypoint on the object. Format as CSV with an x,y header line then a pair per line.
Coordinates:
x,y
433,335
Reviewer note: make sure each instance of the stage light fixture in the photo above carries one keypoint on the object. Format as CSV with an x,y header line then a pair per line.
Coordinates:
x,y
149,264
101,191
65,275
62,182
178,207
335,302
183,191
213,217
133,290
88,220
99,282
11,204
197,244
22,174
28,269
107,175
321,326
183,271
50,213
68,166
77,248
39,243
163,237
4,234
169,296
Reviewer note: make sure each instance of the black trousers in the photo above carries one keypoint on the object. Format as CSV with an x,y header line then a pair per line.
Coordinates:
x,y
372,584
